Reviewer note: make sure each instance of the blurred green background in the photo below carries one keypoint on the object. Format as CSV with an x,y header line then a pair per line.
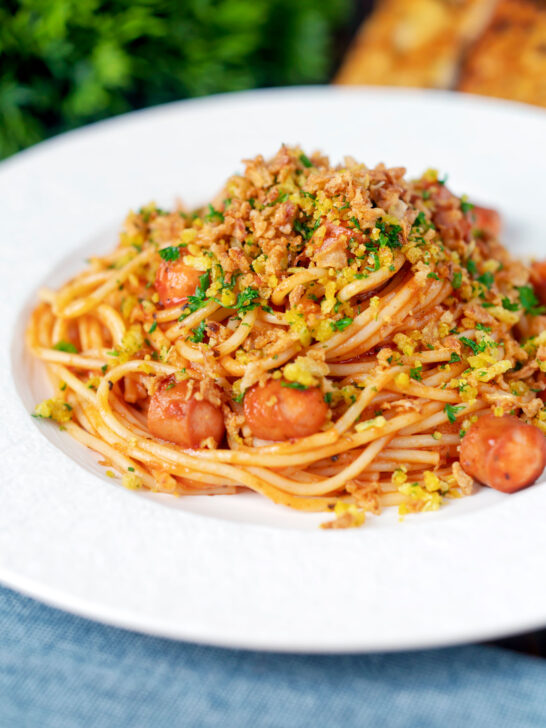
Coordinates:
x,y
64,63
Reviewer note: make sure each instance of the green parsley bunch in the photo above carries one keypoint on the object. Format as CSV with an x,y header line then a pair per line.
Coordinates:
x,y
69,62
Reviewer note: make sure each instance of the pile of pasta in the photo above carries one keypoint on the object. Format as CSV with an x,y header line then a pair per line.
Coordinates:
x,y
322,335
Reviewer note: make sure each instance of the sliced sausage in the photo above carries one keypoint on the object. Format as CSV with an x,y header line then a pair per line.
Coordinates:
x,y
538,279
503,452
177,415
175,281
484,218
277,412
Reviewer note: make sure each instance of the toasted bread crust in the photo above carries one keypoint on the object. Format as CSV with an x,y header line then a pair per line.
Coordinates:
x,y
509,60
417,43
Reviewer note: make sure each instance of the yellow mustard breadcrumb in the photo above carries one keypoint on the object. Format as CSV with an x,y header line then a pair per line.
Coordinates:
x,y
54,409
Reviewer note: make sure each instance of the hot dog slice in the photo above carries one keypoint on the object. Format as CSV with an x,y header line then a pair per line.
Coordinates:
x,y
503,452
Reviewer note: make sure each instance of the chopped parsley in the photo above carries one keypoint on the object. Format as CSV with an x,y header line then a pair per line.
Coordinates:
x,y
171,253
342,324
65,346
457,280
222,276
152,328
420,220
198,333
214,215
476,348
304,159
281,197
388,238
247,300
509,305
454,358
293,385
304,230
435,276
471,267
199,299
300,228
487,279
529,301
415,373
148,211
466,206
376,262
328,397
451,411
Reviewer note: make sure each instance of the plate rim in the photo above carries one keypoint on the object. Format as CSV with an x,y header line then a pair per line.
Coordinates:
x,y
116,616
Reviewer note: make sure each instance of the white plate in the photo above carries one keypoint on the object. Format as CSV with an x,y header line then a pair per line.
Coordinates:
x,y
237,570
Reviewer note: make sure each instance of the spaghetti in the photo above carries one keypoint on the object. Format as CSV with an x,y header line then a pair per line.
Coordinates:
x,y
321,335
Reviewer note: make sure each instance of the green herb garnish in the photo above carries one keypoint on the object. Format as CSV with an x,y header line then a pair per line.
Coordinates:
x,y
171,253
376,262
529,301
420,220
416,373
471,267
214,215
199,299
342,324
65,346
509,305
247,300
476,348
388,238
198,333
451,412
457,280
487,279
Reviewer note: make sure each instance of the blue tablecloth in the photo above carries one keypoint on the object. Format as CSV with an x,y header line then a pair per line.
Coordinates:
x,y
60,671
